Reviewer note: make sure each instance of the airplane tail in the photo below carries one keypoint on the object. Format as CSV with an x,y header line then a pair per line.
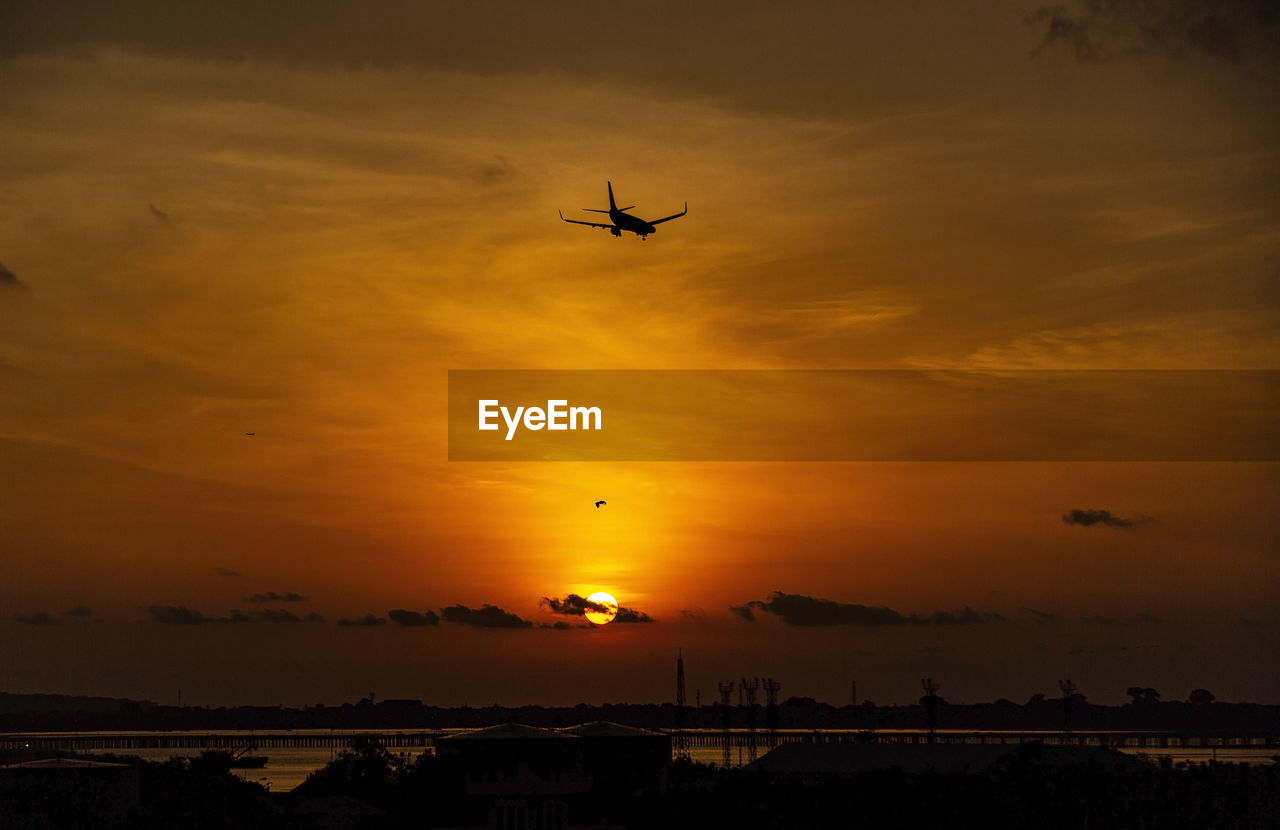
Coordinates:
x,y
612,204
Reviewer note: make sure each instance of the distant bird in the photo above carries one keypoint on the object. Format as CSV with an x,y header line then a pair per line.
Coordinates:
x,y
599,503
251,433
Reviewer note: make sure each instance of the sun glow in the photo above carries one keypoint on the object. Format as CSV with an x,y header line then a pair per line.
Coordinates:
x,y
603,611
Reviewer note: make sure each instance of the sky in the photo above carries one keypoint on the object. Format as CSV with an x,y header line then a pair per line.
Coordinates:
x,y
221,219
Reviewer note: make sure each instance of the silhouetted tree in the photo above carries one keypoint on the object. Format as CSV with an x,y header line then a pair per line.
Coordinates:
x,y
1200,697
1142,694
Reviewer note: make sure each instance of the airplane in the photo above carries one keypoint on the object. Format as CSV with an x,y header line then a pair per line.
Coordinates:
x,y
623,221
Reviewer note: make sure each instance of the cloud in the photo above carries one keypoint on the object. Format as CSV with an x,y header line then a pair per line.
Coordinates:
x,y
227,572
1100,30
272,596
366,620
1101,619
1088,518
1040,617
694,614
631,615
176,615
805,611
78,611
487,616
182,615
575,605
412,619
8,279
269,616
36,619
964,616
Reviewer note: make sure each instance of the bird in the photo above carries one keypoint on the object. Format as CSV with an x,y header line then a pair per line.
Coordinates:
x,y
600,503
251,433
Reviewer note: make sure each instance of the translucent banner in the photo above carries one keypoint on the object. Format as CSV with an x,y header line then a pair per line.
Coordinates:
x,y
864,415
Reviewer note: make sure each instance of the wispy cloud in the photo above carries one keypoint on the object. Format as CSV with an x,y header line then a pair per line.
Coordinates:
x,y
36,619
1227,30
182,615
272,596
806,611
1089,518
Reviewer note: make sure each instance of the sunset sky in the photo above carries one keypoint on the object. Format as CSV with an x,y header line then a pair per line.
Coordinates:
x,y
219,219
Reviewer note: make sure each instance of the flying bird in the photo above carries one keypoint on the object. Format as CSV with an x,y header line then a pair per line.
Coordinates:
x,y
251,433
600,503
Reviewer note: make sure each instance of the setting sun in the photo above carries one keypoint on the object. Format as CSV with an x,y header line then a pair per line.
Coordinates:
x,y
603,609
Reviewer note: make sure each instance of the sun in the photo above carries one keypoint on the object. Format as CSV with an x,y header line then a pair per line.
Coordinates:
x,y
604,610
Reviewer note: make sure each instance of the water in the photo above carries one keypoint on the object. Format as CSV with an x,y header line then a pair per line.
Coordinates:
x,y
287,767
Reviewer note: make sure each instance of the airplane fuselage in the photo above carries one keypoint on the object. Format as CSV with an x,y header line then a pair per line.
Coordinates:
x,y
623,221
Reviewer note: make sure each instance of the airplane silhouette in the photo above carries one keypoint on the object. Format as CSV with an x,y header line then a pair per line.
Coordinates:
x,y
600,503
623,221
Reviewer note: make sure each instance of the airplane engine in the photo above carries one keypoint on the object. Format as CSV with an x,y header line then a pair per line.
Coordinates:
x,y
616,231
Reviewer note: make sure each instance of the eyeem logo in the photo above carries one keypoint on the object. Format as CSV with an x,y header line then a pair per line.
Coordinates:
x,y
557,416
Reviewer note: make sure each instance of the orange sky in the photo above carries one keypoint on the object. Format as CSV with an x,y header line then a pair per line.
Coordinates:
x,y
217,222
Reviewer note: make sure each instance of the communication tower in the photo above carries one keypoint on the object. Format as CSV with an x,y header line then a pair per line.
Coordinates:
x,y
751,686
930,701
1068,690
726,700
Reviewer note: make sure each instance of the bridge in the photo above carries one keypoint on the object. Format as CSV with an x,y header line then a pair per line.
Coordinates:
x,y
706,738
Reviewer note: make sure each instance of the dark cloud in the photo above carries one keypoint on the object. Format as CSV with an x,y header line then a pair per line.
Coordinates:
x,y
559,625
78,611
411,619
487,616
182,615
797,609
573,605
964,616
1089,518
1041,617
1100,30
272,596
176,615
268,616
694,614
800,610
8,279
220,571
366,620
631,615
1101,619
36,619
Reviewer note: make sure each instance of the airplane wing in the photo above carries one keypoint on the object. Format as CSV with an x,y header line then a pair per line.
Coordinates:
x,y
672,216
591,224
